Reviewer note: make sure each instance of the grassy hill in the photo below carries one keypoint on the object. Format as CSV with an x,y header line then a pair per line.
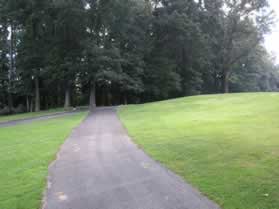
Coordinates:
x,y
225,145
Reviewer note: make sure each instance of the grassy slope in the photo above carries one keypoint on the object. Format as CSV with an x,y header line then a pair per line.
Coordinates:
x,y
29,115
225,145
25,153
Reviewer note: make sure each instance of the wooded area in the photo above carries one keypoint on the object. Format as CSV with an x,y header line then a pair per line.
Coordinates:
x,y
110,52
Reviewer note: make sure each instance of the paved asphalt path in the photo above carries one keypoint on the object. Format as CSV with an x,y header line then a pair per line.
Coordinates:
x,y
38,118
99,167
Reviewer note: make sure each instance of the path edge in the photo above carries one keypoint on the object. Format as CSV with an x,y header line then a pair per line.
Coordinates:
x,y
52,163
165,167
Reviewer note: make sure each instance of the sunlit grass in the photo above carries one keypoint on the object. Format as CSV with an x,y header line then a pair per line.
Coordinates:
x,y
225,145
25,153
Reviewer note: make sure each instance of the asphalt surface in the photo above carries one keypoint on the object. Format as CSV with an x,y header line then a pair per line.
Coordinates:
x,y
99,167
38,118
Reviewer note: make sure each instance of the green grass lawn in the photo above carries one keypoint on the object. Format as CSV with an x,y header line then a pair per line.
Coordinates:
x,y
225,145
29,115
25,153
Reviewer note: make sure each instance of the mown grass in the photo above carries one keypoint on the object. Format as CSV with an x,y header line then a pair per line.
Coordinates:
x,y
5,118
225,145
25,153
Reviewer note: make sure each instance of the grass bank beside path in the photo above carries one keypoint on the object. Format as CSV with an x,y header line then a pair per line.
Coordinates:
x,y
25,154
6,118
225,145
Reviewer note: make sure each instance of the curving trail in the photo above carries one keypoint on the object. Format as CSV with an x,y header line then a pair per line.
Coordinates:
x,y
99,167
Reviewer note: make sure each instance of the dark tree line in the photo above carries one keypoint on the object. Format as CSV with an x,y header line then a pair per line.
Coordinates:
x,y
109,52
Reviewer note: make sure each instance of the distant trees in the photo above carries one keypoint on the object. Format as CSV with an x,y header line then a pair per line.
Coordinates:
x,y
236,29
107,52
258,68
243,25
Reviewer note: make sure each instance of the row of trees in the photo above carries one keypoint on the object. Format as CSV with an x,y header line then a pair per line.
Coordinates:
x,y
55,52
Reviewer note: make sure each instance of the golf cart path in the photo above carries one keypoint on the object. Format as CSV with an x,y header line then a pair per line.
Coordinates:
x,y
99,167
37,118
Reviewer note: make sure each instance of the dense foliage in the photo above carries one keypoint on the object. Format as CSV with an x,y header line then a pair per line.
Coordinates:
x,y
109,52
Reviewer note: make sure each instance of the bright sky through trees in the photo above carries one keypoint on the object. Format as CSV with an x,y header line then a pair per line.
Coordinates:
x,y
272,40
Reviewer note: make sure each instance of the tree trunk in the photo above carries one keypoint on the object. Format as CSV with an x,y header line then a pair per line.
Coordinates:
x,y
12,57
37,95
92,99
216,83
46,103
27,104
125,99
109,98
103,97
31,105
225,81
11,70
10,102
59,101
67,102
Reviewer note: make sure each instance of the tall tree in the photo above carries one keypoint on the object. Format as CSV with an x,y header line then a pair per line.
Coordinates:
x,y
4,49
66,44
114,57
10,20
244,24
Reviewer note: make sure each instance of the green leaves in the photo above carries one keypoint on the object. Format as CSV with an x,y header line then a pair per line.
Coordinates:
x,y
141,49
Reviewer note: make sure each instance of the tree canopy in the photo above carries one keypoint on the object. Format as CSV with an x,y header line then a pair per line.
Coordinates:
x,y
110,52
